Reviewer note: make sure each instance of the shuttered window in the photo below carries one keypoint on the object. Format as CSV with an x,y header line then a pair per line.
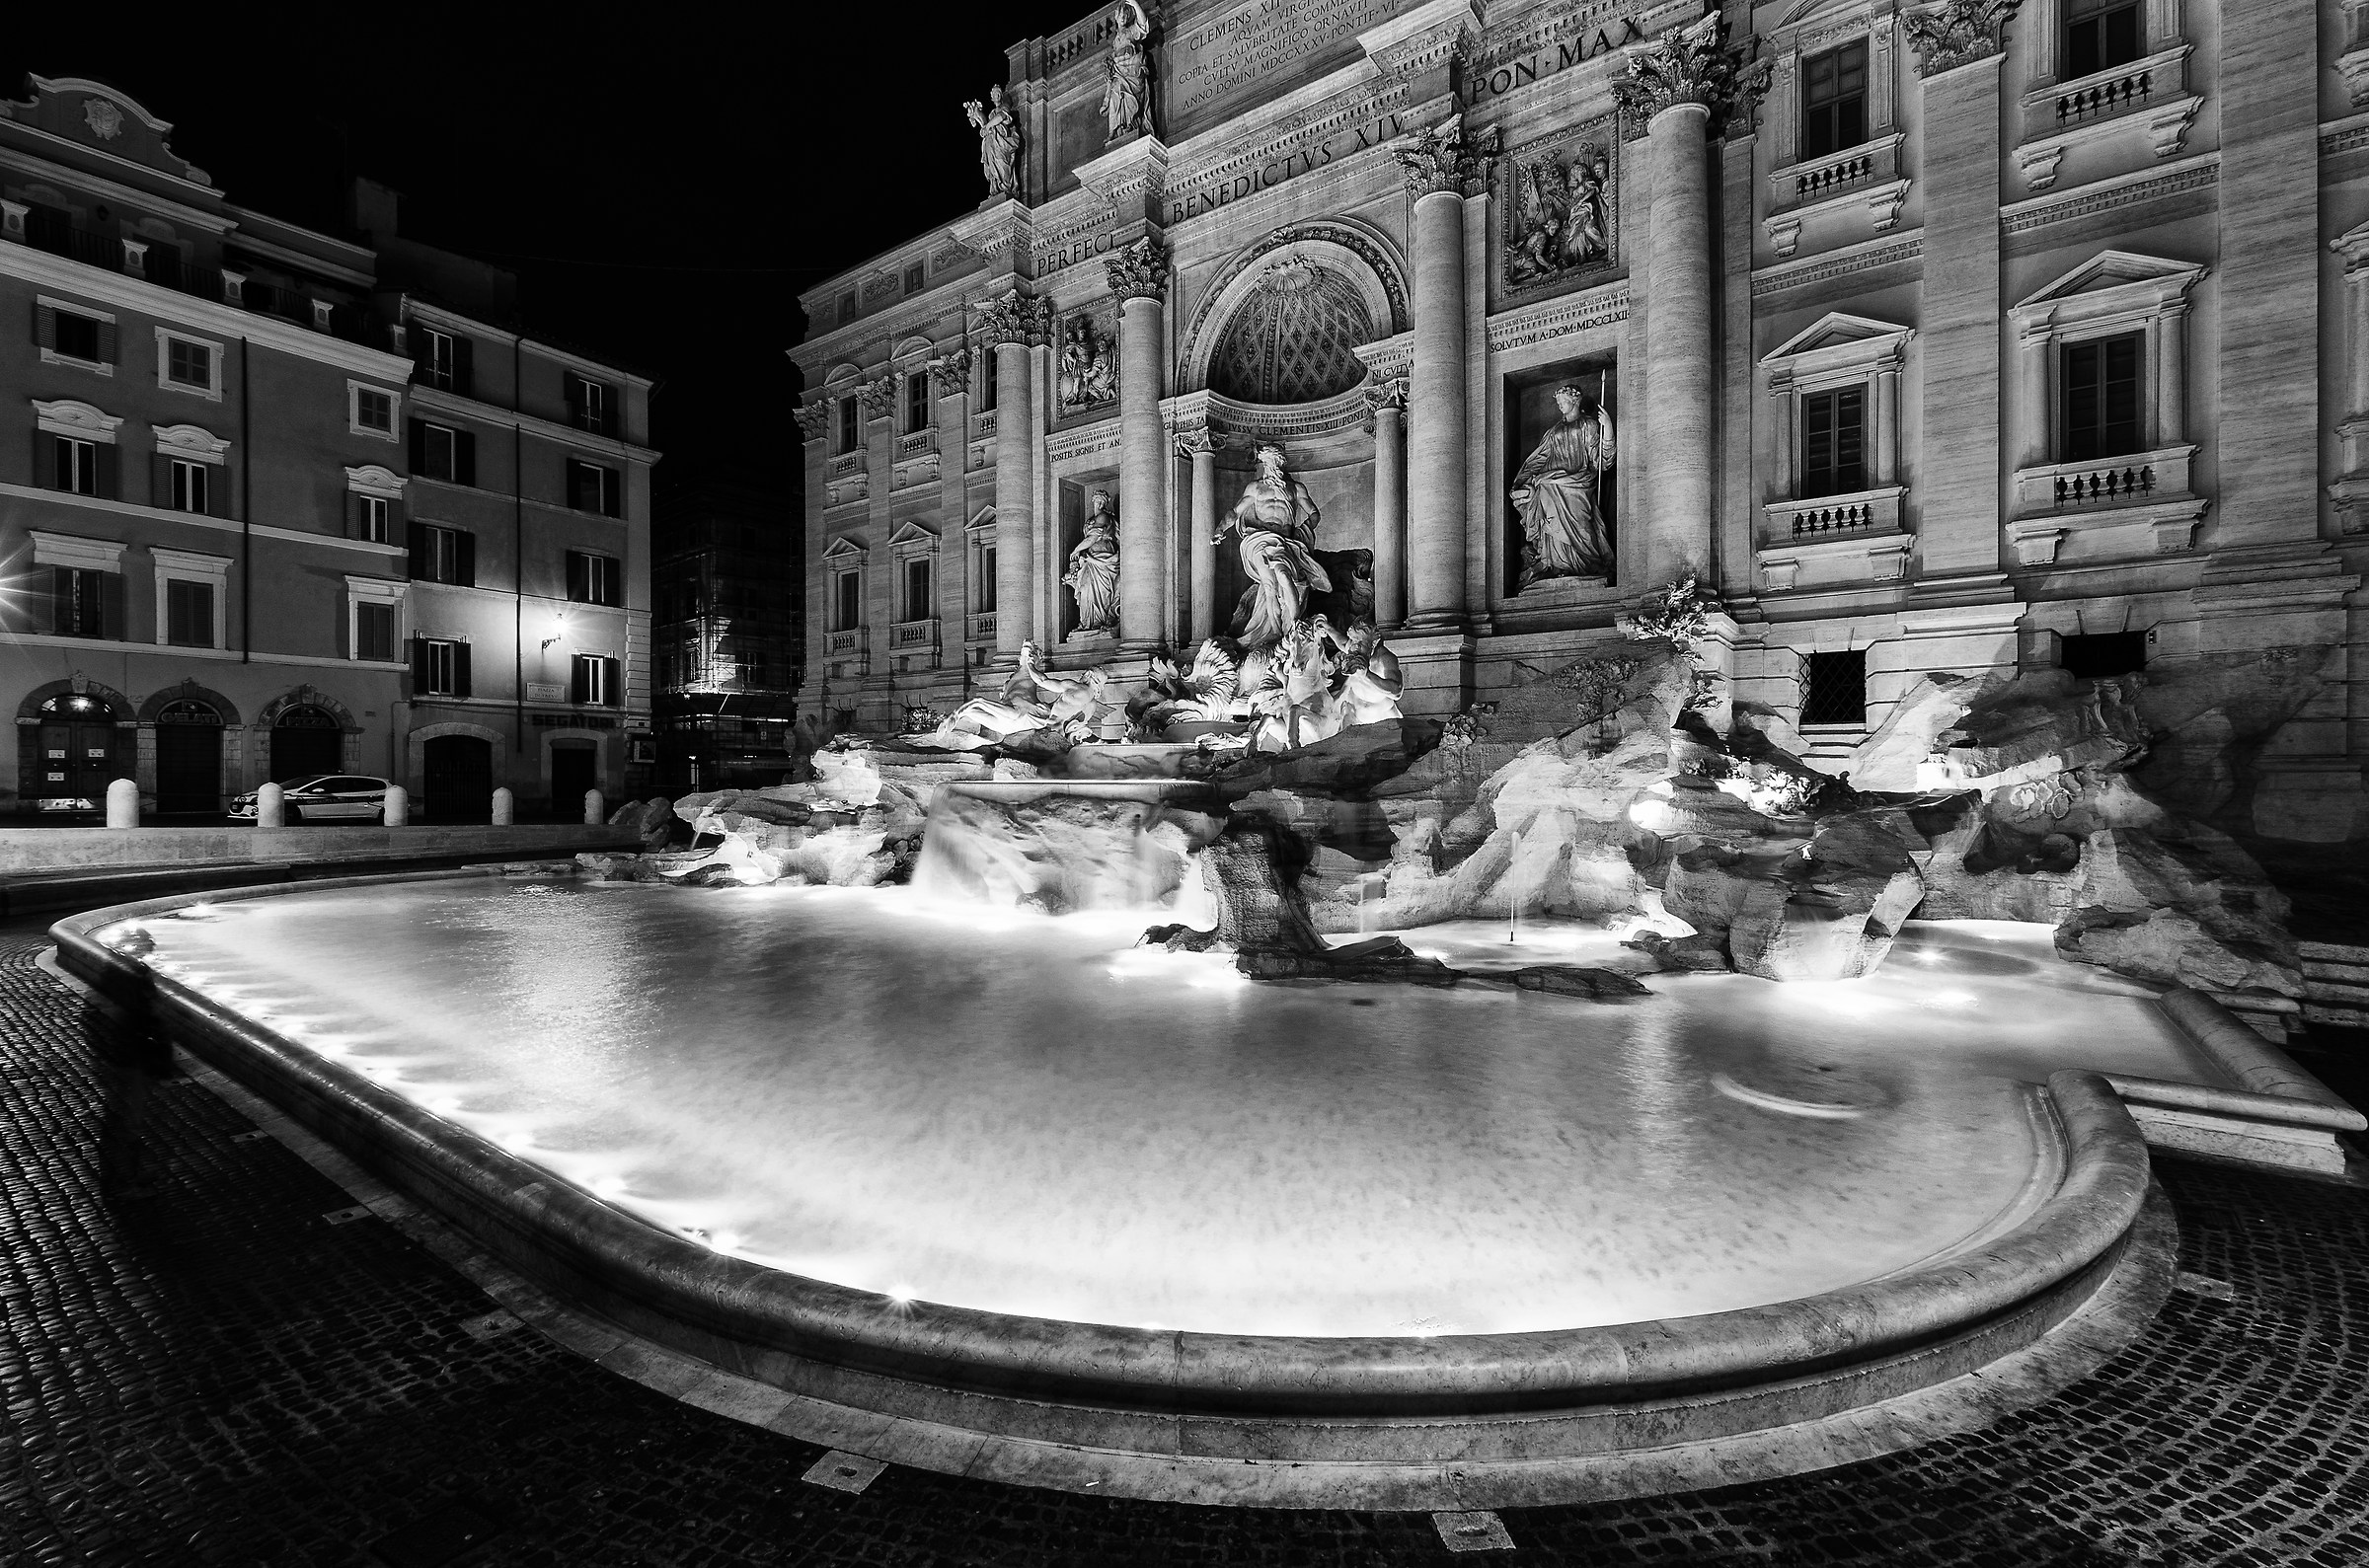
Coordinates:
x,y
71,335
441,452
591,488
373,631
595,681
440,667
78,599
444,555
188,483
189,614
1834,442
596,580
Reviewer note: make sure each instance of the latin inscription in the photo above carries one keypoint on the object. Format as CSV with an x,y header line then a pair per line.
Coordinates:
x,y
1208,198
1481,86
1210,61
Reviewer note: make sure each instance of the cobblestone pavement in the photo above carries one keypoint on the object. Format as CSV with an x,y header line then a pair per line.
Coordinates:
x,y
216,1374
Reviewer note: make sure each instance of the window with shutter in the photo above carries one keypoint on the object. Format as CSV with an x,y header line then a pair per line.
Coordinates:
x,y
374,630
439,452
76,466
189,487
78,602
77,338
372,518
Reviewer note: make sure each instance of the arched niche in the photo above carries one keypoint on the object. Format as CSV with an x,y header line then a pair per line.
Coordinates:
x,y
1362,255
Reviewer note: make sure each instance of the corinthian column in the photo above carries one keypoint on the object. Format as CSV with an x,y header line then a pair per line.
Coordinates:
x,y
1196,446
1390,504
1439,165
1140,277
1010,326
1677,85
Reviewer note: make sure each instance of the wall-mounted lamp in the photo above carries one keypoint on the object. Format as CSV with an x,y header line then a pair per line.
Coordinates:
x,y
559,630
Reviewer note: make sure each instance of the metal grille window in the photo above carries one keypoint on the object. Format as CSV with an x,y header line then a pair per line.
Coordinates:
x,y
2101,35
1834,100
1834,443
2101,398
189,614
189,487
1835,689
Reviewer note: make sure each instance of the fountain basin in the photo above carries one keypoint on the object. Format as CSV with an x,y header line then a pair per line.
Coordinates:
x,y
1324,1417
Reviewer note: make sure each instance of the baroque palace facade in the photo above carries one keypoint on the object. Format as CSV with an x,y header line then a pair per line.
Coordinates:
x,y
1970,336
289,502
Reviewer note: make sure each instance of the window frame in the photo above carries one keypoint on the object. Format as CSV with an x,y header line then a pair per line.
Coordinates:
x,y
389,593
1806,487
917,401
187,480
447,648
356,390
610,489
847,426
847,599
2099,13
74,469
444,552
1812,687
601,573
190,566
440,371
104,323
167,338
1809,109
2137,380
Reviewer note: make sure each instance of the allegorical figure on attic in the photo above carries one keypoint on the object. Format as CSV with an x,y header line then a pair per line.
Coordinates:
x,y
999,142
1557,491
1093,575
1276,520
1126,101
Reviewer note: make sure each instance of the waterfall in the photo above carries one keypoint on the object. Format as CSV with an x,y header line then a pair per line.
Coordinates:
x,y
1060,845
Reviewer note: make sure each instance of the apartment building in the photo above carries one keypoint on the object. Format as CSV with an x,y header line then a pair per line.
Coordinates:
x,y
730,590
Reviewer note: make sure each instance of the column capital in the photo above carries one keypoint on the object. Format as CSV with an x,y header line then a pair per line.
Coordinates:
x,y
877,397
1385,397
1140,272
1957,33
1195,442
814,420
1442,158
1695,65
954,363
1014,318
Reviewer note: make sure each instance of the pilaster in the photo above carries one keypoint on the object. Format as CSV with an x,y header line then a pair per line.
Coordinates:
x,y
1959,477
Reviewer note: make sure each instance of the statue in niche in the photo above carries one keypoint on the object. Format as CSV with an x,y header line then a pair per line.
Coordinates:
x,y
1088,377
1562,216
999,142
1126,99
1093,575
1277,521
1557,491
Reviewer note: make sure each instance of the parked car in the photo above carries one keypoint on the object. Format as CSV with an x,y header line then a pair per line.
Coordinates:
x,y
325,797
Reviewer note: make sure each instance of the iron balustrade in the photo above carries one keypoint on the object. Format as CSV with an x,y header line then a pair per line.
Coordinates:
x,y
1811,184
1825,522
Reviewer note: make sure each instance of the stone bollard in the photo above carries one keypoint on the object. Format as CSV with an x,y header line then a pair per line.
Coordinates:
x,y
399,806
505,808
596,810
271,809
124,805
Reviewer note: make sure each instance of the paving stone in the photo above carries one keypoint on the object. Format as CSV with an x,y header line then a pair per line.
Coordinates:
x,y
213,1377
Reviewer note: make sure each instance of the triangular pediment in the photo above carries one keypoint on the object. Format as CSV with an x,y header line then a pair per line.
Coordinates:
x,y
910,531
841,547
2114,270
1834,330
984,517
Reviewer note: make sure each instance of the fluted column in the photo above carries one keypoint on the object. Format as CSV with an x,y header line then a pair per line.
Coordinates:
x,y
1010,326
1390,504
1140,277
1196,446
1439,165
1677,88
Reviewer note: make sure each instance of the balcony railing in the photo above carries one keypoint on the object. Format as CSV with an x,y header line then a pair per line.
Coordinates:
x,y
2115,94
1819,518
916,442
914,633
2128,478
844,641
1815,180
982,628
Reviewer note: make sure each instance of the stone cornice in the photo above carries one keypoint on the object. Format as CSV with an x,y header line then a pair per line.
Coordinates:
x,y
1600,306
187,310
207,219
1883,251
1955,33
231,525
2104,196
435,400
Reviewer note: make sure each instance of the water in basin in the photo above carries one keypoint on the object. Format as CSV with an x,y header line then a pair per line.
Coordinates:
x,y
1003,1111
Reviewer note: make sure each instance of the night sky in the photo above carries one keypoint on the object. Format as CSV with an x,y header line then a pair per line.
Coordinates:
x,y
664,179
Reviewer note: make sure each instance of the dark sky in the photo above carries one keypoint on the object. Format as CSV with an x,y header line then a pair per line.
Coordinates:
x,y
664,178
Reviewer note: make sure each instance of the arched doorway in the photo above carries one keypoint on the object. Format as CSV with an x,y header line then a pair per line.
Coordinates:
x,y
78,752
188,757
458,773
306,740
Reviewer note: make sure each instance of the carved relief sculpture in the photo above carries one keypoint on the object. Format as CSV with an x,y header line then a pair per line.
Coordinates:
x,y
1558,491
1126,99
1957,33
999,142
1562,219
1276,520
1693,65
1089,377
1093,575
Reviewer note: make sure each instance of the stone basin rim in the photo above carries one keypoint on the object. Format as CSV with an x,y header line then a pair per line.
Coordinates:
x,y
555,1230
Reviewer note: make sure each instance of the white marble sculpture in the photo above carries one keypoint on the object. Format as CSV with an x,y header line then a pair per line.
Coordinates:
x,y
1032,698
1126,98
999,142
1276,520
1557,493
1093,575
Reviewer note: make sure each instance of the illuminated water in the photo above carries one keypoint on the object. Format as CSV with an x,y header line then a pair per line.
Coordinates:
x,y
1008,1111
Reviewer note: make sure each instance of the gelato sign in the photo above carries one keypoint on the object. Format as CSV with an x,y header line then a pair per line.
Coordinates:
x,y
1221,56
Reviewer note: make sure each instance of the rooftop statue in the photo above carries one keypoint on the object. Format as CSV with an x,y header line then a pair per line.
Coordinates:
x,y
1126,99
1558,489
999,142
1093,575
1276,520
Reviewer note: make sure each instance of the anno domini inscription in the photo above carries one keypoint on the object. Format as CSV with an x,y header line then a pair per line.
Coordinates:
x,y
1219,55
